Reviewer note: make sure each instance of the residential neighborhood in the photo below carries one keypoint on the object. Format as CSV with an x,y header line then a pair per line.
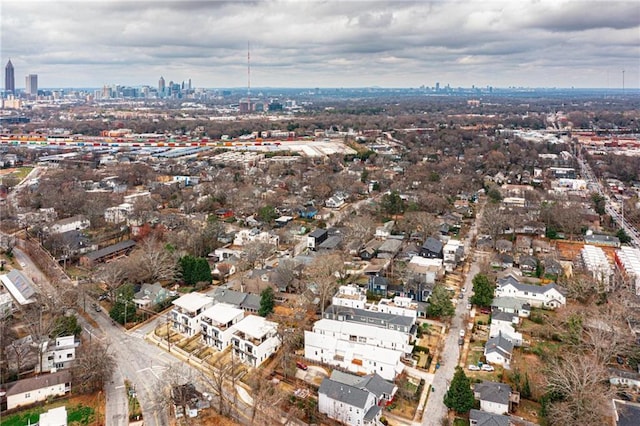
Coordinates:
x,y
427,271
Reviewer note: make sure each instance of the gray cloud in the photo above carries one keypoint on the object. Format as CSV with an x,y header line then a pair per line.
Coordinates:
x,y
323,43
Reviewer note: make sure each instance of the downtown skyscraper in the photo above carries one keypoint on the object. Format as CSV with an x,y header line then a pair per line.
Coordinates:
x,y
9,78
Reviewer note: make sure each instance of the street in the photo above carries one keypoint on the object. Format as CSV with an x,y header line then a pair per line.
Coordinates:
x,y
435,409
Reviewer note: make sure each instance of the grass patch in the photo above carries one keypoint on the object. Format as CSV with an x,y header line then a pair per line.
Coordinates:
x,y
21,173
80,415
77,415
460,422
24,418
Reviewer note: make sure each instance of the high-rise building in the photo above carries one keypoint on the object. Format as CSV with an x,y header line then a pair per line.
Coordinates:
x,y
9,78
31,84
161,86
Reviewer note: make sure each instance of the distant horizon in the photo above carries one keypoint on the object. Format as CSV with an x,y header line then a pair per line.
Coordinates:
x,y
483,89
335,44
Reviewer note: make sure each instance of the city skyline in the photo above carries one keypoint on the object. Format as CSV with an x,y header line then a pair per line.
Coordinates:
x,y
325,44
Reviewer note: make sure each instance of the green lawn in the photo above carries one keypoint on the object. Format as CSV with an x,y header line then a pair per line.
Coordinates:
x,y
76,415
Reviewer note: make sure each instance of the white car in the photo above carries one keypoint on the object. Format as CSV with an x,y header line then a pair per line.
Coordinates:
x,y
473,367
487,367
462,332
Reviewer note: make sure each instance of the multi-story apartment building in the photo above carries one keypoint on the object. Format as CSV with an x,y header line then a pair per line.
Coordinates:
x,y
255,339
218,323
185,316
357,347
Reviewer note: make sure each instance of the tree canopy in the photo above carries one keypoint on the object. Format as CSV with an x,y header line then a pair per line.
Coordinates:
x,y
267,302
194,270
459,397
440,304
482,290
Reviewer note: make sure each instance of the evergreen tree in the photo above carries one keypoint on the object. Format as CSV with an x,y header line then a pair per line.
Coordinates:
x,y
267,302
525,392
482,290
459,397
194,270
440,304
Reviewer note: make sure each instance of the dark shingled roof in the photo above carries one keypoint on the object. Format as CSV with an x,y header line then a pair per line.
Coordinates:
x,y
482,418
39,382
493,392
122,245
344,393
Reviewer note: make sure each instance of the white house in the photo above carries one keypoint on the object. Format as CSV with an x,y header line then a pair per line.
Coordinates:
x,y
427,269
494,397
246,236
187,310
58,356
119,213
399,305
73,223
453,253
29,391
511,305
255,339
547,296
498,350
359,348
354,400
217,324
54,417
350,296
384,231
502,323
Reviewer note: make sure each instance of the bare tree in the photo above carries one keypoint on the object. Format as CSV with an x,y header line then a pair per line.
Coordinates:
x,y
324,271
257,252
113,275
579,384
151,262
494,222
287,272
93,367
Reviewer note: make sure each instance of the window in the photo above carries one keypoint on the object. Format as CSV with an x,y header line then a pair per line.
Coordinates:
x,y
69,356
27,395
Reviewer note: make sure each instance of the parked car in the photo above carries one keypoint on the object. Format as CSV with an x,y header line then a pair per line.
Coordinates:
x,y
461,296
473,367
485,310
462,332
96,307
301,365
487,367
460,341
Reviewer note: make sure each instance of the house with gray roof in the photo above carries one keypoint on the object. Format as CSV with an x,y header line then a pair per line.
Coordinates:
x,y
496,398
353,400
432,248
482,418
498,350
511,305
546,296
246,301
374,383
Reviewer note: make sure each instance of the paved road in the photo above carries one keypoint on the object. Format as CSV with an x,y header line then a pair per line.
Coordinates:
x,y
617,216
435,409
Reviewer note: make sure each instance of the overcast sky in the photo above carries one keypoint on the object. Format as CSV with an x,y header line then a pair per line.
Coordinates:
x,y
542,43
